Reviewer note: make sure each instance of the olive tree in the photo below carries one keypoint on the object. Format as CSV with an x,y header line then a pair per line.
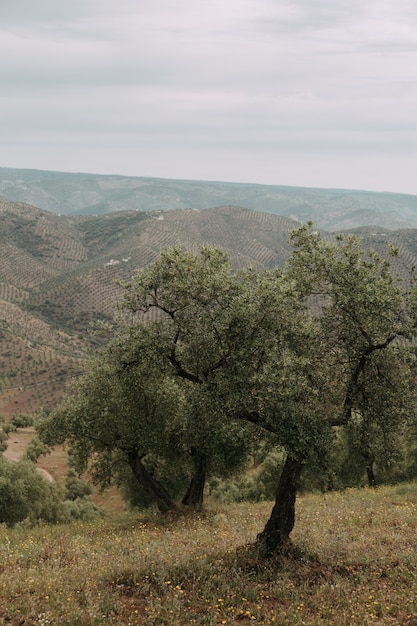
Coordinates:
x,y
246,343
113,419
218,357
142,404
297,351
188,305
360,367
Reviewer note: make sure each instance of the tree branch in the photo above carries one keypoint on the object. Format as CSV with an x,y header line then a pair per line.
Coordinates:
x,y
352,385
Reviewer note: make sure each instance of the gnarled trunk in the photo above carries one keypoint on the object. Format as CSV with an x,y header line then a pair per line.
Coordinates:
x,y
195,492
153,487
275,537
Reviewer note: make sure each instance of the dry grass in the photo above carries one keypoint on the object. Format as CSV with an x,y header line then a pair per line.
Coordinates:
x,y
355,563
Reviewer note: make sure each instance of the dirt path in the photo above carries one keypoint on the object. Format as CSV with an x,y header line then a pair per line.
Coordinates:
x,y
43,472
16,446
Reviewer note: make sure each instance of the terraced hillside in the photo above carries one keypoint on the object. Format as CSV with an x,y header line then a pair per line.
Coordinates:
x,y
58,277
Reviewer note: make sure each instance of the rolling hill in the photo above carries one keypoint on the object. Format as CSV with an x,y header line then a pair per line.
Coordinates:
x,y
58,277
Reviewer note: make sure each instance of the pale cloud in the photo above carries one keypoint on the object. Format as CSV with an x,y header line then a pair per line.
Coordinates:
x,y
302,93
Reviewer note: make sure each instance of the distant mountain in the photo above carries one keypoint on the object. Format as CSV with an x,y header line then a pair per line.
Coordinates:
x,y
92,194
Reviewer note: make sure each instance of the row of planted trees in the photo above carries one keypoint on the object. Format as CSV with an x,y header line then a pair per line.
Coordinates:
x,y
280,359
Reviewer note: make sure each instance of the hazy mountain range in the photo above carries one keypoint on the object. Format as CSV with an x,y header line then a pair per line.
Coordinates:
x,y
92,194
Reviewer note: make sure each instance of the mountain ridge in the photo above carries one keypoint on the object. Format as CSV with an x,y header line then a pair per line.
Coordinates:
x,y
99,194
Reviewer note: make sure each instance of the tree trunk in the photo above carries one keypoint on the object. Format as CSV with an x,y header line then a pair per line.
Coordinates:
x,y
371,475
153,487
195,492
275,537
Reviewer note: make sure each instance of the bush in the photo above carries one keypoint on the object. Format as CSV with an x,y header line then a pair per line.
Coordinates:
x,y
35,449
3,440
25,496
22,420
254,486
81,509
9,428
76,488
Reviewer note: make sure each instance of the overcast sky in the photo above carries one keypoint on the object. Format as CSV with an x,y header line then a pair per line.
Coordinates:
x,y
319,93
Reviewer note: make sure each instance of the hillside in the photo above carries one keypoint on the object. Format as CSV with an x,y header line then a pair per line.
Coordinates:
x,y
58,277
93,194
58,273
356,566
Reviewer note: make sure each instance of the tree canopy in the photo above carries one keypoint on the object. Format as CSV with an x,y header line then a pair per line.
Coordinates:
x,y
206,362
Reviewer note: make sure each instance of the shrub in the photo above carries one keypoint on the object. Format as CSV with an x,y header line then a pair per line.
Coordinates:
x,y
81,509
35,449
76,488
22,420
9,428
254,486
25,496
3,440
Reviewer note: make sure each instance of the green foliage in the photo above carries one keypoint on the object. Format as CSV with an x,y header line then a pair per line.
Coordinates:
x,y
35,449
25,495
81,508
255,485
266,476
22,420
116,416
9,428
206,365
3,439
366,317
75,487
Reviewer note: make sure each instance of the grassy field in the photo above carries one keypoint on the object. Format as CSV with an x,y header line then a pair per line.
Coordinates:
x,y
355,562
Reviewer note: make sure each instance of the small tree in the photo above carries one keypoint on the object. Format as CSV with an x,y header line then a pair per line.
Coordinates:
x,y
148,401
117,417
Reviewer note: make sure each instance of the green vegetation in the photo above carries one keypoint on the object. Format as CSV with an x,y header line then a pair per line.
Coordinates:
x,y
22,420
223,387
25,496
357,568
231,361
